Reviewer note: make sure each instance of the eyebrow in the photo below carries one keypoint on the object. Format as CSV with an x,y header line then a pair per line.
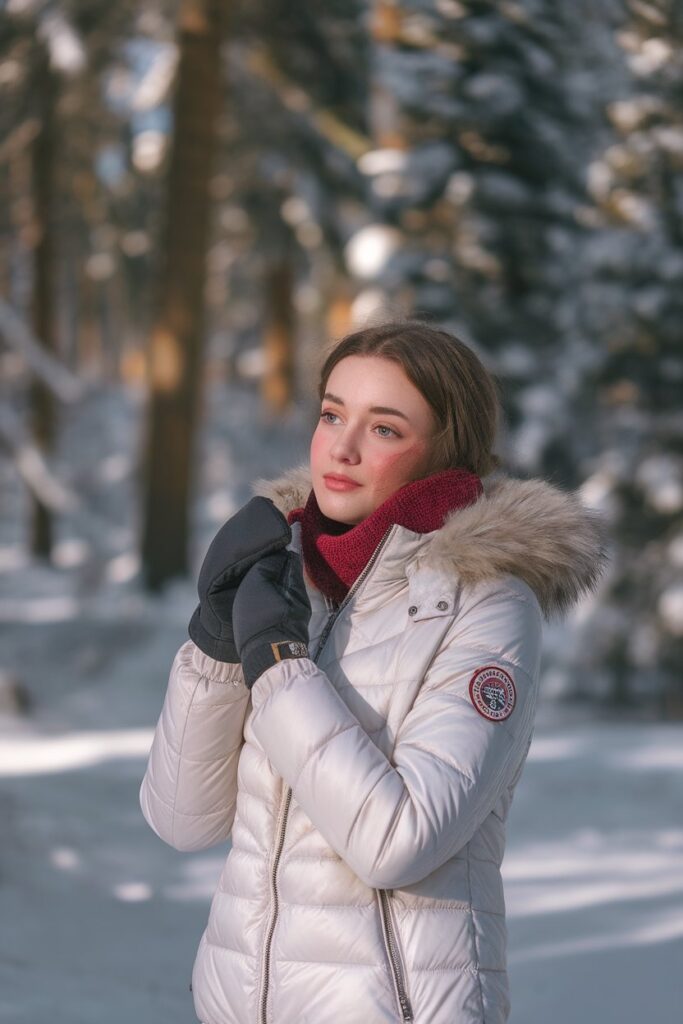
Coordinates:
x,y
385,409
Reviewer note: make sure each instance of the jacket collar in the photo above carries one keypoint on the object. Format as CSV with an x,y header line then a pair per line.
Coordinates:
x,y
527,528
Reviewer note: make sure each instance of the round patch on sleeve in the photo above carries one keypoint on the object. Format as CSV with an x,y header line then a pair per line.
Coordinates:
x,y
493,693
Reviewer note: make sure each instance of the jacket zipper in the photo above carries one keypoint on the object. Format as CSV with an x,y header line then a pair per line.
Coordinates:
x,y
265,967
393,955
284,807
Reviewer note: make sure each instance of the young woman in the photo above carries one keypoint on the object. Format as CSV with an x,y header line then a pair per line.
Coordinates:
x,y
356,702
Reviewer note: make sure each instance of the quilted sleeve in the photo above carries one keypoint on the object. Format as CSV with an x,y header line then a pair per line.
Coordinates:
x,y
461,744
189,790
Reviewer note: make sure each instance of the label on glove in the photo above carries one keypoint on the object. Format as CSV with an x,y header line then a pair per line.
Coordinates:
x,y
289,649
493,693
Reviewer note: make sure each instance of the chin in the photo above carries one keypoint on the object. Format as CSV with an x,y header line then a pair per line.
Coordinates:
x,y
340,511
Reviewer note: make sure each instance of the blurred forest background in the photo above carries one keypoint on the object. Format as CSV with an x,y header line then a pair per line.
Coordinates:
x,y
197,196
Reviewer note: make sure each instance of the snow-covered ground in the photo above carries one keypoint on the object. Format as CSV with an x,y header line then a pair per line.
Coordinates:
x,y
100,921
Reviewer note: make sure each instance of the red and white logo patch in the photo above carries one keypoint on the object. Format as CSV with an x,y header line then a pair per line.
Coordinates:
x,y
493,693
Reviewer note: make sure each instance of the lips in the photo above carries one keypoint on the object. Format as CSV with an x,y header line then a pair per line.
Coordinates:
x,y
335,482
336,478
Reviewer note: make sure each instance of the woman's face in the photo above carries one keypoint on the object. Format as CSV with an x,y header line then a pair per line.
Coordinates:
x,y
359,438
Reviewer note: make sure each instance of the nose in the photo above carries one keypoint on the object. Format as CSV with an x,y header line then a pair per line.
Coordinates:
x,y
345,448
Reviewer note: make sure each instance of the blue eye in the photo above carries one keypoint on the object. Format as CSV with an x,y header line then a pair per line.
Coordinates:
x,y
382,426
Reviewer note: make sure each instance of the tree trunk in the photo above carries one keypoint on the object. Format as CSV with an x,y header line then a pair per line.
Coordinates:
x,y
278,378
43,312
89,337
175,354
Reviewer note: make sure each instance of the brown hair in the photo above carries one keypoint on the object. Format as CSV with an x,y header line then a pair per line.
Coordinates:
x,y
462,393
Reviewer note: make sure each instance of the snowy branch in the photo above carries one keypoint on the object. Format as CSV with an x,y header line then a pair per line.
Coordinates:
x,y
54,375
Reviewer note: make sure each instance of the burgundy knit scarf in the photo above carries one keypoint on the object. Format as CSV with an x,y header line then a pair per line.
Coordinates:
x,y
336,553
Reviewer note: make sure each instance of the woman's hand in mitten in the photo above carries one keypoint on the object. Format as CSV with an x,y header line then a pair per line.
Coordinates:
x,y
256,530
271,614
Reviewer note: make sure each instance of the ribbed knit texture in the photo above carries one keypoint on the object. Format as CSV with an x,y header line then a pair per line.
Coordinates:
x,y
336,553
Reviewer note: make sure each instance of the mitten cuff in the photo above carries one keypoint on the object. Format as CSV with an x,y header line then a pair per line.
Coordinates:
x,y
266,653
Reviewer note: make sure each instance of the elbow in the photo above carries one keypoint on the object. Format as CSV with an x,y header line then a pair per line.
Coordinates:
x,y
185,833
201,834
411,862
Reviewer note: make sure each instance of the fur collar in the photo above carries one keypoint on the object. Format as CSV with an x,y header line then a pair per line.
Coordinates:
x,y
527,528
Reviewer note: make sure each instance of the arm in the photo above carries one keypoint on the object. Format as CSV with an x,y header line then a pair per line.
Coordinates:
x,y
394,822
189,791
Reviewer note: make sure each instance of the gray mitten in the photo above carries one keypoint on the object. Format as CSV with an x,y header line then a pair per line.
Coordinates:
x,y
271,614
258,529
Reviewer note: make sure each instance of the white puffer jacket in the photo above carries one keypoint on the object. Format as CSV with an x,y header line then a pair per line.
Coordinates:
x,y
366,789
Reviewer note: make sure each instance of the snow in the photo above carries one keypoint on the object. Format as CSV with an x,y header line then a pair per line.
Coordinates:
x,y
594,873
101,920
370,249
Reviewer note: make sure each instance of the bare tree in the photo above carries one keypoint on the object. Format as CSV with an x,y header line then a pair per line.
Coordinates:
x,y
175,355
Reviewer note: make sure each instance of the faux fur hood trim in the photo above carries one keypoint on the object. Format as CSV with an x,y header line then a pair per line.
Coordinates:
x,y
527,528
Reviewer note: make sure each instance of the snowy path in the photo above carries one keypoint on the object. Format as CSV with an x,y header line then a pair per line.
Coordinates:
x,y
100,920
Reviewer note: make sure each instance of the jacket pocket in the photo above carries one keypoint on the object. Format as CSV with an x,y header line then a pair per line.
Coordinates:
x,y
394,954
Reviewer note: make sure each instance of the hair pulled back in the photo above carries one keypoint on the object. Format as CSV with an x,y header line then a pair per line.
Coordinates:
x,y
462,393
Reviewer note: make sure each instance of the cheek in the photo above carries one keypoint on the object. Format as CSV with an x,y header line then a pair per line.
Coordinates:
x,y
316,446
319,453
399,465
